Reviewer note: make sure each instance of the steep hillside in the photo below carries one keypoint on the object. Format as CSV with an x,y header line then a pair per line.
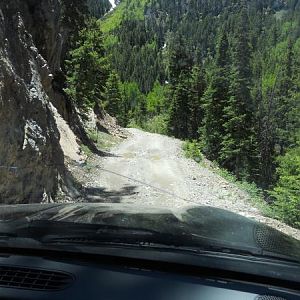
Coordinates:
x,y
138,31
223,74
99,8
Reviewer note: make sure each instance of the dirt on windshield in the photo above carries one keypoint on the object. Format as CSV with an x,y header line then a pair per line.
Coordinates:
x,y
151,169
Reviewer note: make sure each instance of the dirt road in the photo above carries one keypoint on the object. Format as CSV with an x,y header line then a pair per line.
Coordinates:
x,y
151,169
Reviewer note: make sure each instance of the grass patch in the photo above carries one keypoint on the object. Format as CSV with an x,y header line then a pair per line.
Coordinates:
x,y
86,150
102,140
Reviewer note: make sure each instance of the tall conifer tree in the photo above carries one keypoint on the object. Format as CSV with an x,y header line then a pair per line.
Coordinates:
x,y
215,100
237,146
197,89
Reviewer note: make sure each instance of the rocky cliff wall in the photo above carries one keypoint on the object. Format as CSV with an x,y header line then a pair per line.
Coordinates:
x,y
32,40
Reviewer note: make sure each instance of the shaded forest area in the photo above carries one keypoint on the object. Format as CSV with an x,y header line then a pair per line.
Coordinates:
x,y
224,75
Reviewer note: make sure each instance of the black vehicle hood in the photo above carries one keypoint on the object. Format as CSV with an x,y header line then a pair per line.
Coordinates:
x,y
202,221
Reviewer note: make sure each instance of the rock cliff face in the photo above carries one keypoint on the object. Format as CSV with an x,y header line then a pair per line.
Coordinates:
x,y
32,41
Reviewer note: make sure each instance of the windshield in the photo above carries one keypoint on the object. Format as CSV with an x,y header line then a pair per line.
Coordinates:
x,y
170,123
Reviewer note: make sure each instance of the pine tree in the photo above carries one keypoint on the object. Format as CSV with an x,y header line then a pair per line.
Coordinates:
x,y
286,103
179,59
179,68
266,136
156,100
197,88
215,99
113,98
238,142
134,103
179,112
87,68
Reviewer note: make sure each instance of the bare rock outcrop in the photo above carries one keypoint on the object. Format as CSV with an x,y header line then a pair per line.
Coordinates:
x,y
31,158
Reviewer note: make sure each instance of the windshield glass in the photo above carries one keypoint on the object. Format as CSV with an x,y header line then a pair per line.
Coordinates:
x,y
170,123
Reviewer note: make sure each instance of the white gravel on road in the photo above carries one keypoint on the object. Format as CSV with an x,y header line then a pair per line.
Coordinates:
x,y
151,169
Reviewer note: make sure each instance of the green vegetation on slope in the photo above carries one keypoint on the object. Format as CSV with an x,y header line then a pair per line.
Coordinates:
x,y
224,74
127,9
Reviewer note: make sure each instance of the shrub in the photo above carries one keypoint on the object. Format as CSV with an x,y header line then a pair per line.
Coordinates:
x,y
287,191
193,150
157,124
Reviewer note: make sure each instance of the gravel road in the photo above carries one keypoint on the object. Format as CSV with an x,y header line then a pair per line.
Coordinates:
x,y
151,169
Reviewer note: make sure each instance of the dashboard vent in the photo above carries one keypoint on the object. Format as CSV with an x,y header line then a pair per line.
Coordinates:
x,y
33,279
269,298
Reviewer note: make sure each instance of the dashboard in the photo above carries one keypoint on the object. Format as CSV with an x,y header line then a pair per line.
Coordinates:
x,y
34,277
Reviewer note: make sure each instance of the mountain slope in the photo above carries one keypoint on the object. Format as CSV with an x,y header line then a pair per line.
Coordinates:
x,y
222,73
138,30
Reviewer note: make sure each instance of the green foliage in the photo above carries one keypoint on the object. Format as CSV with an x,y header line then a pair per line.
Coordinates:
x,y
179,111
113,20
86,150
179,61
236,153
102,140
157,124
287,190
156,99
134,102
87,68
195,100
235,90
192,150
133,124
114,103
215,100
187,86
127,9
278,108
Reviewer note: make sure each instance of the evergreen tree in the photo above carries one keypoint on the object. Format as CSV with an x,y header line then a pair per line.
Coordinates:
x,y
179,112
238,142
215,100
87,68
197,88
179,68
179,59
286,103
113,98
251,106
156,100
140,111
134,103
266,136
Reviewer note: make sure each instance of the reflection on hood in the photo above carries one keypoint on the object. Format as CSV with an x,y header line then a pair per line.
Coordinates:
x,y
199,221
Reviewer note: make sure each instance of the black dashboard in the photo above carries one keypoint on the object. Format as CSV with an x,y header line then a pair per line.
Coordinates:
x,y
63,277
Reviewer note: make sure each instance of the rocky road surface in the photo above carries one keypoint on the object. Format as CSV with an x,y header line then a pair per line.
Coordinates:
x,y
151,169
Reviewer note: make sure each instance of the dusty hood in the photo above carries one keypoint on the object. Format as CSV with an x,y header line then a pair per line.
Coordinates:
x,y
202,221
